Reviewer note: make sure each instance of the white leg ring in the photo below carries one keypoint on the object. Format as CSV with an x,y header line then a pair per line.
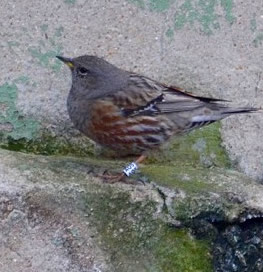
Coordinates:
x,y
130,169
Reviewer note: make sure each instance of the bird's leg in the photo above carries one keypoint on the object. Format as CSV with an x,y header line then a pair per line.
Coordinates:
x,y
127,171
132,167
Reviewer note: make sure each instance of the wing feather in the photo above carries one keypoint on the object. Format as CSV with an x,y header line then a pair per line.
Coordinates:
x,y
156,98
151,98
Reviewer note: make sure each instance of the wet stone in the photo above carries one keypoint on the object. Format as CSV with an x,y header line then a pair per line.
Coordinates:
x,y
239,248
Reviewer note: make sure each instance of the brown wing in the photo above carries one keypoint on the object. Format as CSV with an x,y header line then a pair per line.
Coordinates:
x,y
146,97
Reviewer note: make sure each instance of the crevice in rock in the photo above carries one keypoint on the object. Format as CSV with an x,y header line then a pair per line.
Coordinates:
x,y
239,247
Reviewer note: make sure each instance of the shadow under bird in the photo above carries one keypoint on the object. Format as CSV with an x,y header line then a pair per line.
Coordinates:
x,y
131,113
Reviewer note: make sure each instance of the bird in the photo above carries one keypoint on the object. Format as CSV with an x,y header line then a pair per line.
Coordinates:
x,y
134,114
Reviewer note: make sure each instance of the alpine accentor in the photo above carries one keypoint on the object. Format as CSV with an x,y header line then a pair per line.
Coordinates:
x,y
132,113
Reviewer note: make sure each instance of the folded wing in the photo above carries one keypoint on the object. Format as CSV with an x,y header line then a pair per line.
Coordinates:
x,y
154,99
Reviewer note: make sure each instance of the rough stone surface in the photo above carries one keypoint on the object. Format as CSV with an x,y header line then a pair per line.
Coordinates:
x,y
207,47
196,212
54,216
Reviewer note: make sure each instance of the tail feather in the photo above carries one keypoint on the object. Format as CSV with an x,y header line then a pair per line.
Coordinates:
x,y
222,112
229,111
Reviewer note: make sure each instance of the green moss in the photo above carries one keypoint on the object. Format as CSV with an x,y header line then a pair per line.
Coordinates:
x,y
123,228
179,251
153,5
47,145
227,5
169,33
17,126
47,50
203,12
137,242
160,5
199,207
22,79
206,207
185,177
253,23
70,2
47,58
59,31
138,3
258,41
201,187
12,44
44,27
21,133
200,148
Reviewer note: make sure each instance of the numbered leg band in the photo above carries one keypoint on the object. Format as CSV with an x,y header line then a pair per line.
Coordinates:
x,y
130,169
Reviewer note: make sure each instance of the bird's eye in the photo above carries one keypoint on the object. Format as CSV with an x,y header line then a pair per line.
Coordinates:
x,y
83,71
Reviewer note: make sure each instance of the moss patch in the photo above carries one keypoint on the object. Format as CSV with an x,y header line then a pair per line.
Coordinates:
x,y
253,23
160,5
201,147
153,5
21,133
48,49
187,178
137,242
48,145
258,41
178,251
13,124
70,2
199,193
202,14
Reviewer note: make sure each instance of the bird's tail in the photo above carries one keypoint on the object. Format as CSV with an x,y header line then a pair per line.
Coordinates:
x,y
230,111
218,113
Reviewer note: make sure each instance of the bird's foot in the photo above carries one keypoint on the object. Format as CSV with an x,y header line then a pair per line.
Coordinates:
x,y
111,178
124,176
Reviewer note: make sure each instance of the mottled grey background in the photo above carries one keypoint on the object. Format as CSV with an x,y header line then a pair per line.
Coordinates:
x,y
206,47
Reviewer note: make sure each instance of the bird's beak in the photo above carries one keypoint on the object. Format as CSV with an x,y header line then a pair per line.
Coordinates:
x,y
67,61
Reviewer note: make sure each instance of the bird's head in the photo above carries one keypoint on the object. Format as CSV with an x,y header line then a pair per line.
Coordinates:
x,y
92,74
